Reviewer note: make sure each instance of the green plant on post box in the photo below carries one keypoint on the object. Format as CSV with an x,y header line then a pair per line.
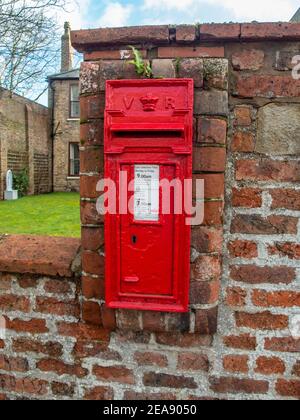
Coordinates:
x,y
142,67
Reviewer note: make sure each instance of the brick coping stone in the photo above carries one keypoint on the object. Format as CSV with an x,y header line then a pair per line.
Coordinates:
x,y
91,39
43,255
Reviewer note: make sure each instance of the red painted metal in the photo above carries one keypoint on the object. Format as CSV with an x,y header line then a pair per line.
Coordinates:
x,y
148,122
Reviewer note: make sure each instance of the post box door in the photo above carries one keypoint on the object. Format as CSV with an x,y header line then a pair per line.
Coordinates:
x,y
147,236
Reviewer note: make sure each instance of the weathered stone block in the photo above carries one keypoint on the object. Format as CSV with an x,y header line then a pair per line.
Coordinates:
x,y
191,68
278,130
164,68
211,103
216,73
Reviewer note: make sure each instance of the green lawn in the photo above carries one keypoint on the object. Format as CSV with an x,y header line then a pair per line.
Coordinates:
x,y
55,214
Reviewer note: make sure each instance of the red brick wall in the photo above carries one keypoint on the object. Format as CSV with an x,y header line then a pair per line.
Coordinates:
x,y
236,341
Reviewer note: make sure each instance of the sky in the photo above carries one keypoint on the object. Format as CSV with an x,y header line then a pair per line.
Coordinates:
x,y
84,14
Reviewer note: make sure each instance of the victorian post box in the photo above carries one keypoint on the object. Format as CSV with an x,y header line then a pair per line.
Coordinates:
x,y
148,141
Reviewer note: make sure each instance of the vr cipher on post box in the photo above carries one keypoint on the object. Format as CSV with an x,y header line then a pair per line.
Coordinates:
x,y
148,156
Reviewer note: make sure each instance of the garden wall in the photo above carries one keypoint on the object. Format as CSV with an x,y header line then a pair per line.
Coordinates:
x,y
25,142
236,342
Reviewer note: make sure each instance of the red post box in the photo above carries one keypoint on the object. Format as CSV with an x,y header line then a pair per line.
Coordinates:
x,y
148,139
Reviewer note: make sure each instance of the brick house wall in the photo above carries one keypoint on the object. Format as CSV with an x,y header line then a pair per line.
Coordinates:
x,y
236,341
25,142
65,131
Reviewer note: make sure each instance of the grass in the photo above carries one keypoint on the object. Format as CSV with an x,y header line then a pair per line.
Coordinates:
x,y
55,214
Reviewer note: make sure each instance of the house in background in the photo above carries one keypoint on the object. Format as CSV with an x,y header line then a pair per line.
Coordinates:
x,y
65,122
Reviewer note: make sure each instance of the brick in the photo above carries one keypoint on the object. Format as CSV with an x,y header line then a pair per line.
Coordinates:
x,y
216,74
164,68
110,36
261,321
27,345
191,68
92,239
27,385
258,225
87,348
91,160
112,54
33,326
206,321
275,31
61,368
16,364
212,131
207,240
154,321
185,33
236,296
214,186
92,262
283,60
5,282
2,344
243,142
282,299
109,320
92,106
92,133
14,303
241,342
26,282
99,393
62,389
82,331
217,31
296,369
287,388
213,213
209,159
270,366
234,385
148,396
247,197
206,268
248,59
134,337
92,288
88,186
55,306
118,374
90,214
150,359
191,52
163,380
285,199
287,249
236,364
204,293
183,340
267,170
193,362
243,249
178,322
259,275
89,78
41,255
242,116
58,286
266,86
211,103
111,70
283,344
128,320
91,313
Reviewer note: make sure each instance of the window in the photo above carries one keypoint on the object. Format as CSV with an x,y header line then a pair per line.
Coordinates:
x,y
74,101
74,163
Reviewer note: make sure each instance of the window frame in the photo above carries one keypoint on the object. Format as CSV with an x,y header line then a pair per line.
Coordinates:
x,y
71,117
69,169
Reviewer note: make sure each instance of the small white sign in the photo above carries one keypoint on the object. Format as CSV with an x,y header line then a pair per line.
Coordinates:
x,y
146,193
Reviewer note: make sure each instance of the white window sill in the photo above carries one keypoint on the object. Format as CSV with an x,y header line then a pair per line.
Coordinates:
x,y
73,119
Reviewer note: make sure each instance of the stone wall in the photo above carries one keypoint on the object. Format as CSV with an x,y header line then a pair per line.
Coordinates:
x,y
24,135
65,131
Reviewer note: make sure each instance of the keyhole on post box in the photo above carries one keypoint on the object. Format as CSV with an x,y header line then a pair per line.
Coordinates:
x,y
134,239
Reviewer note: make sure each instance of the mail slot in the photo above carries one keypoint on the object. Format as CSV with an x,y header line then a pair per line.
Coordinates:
x,y
148,139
